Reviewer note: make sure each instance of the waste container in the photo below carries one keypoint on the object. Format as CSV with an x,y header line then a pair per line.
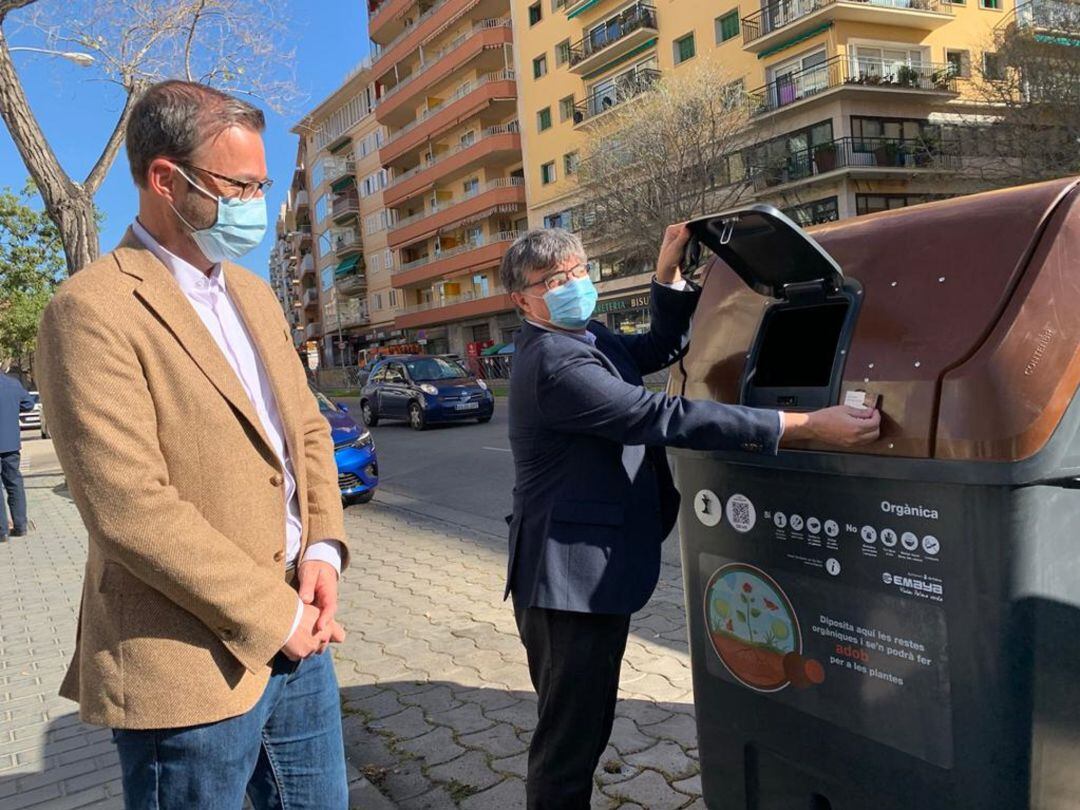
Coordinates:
x,y
896,626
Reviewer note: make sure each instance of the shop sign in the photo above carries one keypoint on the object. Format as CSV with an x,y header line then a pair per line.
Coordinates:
x,y
640,301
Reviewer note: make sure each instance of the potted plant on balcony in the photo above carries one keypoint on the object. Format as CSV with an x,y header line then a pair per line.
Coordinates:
x,y
887,153
908,76
825,157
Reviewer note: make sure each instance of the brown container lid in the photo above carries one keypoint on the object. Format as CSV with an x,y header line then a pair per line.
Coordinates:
x,y
953,315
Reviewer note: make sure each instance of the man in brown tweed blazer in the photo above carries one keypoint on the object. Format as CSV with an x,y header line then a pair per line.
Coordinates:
x,y
205,476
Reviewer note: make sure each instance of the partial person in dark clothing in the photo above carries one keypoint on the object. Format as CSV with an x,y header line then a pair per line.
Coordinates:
x,y
14,399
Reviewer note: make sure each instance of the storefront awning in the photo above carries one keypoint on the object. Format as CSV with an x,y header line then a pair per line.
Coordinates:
x,y
505,208
783,46
346,267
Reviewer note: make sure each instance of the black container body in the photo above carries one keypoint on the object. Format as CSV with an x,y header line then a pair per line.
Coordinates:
x,y
872,642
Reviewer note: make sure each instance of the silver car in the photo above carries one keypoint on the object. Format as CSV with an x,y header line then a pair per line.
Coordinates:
x,y
32,418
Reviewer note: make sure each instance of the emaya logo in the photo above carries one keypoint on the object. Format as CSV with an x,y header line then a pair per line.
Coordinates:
x,y
907,510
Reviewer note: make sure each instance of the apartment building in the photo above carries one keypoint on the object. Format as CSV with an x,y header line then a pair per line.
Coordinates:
x,y
283,273
296,234
850,100
446,93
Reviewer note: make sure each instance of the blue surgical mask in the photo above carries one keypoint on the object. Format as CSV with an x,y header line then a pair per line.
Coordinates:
x,y
240,226
571,305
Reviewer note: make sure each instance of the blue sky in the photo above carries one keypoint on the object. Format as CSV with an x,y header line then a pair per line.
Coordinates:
x,y
77,112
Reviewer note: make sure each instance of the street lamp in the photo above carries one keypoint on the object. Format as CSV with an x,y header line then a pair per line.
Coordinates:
x,y
79,58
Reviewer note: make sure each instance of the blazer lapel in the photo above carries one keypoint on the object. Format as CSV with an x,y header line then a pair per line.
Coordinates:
x,y
160,292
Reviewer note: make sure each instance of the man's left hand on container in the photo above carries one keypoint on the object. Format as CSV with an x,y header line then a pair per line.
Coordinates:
x,y
205,476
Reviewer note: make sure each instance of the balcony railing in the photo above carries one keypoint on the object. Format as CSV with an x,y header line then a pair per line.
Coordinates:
x,y
1049,16
410,28
310,297
345,204
511,128
311,331
502,236
634,18
777,15
460,93
841,71
929,153
450,300
307,265
431,60
347,241
338,168
490,185
625,88
301,200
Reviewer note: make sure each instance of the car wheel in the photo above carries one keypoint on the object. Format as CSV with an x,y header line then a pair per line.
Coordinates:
x,y
416,416
363,497
483,420
367,413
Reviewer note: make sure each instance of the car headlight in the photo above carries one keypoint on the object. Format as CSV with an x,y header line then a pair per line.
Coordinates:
x,y
365,440
482,384
429,389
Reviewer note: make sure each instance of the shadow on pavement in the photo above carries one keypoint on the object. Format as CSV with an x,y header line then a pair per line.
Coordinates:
x,y
440,744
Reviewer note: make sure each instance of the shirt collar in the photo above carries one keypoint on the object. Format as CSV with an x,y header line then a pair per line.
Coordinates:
x,y
192,281
584,337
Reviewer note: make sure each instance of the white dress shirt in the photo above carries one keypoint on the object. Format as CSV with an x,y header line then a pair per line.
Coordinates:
x,y
211,301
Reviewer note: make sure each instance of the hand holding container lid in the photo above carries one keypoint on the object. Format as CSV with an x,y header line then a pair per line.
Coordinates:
x,y
897,626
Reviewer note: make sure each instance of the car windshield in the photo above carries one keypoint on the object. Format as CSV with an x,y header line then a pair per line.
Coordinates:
x,y
34,396
434,368
325,405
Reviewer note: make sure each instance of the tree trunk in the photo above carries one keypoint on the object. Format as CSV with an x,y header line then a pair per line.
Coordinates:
x,y
76,220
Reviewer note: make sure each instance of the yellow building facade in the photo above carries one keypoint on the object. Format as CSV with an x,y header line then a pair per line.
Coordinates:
x,y
839,94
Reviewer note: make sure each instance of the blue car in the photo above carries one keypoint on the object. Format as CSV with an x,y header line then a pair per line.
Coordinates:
x,y
423,390
354,452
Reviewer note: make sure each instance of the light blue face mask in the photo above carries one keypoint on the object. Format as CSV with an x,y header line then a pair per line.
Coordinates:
x,y
571,305
240,226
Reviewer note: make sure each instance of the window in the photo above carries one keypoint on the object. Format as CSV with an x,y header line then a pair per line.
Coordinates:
x,y
570,163
557,4
727,27
535,14
559,220
562,53
393,298
684,49
540,66
959,62
388,259
992,69
547,173
990,5
317,173
378,301
320,209
472,186
873,203
566,108
327,277
543,119
891,128
468,139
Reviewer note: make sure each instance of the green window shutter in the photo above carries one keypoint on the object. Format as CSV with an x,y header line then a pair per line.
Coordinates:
x,y
729,26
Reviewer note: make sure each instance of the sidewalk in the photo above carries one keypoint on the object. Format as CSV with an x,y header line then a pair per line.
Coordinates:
x,y
435,695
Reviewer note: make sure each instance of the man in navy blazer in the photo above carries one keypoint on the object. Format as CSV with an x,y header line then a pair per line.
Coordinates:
x,y
14,399
594,496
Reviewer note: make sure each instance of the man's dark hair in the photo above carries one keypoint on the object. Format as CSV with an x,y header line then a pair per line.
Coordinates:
x,y
173,119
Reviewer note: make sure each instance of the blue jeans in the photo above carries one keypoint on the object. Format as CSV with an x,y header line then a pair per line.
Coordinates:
x,y
16,495
286,753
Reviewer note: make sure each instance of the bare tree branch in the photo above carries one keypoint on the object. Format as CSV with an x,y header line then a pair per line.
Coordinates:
x,y
196,15
108,154
11,5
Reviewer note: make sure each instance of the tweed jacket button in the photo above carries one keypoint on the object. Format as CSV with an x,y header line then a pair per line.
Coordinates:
x,y
276,479
279,556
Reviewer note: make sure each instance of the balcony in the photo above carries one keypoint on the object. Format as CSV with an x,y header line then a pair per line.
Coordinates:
x,y
627,31
310,298
847,75
452,308
300,200
345,205
502,195
783,21
863,158
483,253
484,41
467,100
495,144
307,266
628,86
407,38
349,277
311,331
338,168
347,241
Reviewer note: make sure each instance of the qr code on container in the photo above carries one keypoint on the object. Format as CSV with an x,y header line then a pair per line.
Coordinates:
x,y
741,513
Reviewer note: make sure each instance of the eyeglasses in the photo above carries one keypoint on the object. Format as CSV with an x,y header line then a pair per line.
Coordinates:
x,y
248,189
561,277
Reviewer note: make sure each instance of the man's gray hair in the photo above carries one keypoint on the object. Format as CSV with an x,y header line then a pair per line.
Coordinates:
x,y
173,119
539,249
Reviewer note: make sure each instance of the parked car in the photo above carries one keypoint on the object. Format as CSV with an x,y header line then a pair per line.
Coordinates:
x,y
31,419
364,371
424,389
354,451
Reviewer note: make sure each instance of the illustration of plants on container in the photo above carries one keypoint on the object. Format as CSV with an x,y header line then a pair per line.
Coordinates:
x,y
754,630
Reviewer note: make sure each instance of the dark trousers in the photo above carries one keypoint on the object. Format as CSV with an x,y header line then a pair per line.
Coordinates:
x,y
16,495
574,663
